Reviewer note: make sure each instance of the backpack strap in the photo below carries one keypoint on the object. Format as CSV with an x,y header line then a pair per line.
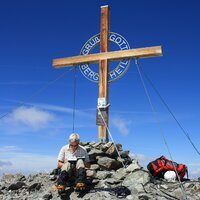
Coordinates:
x,y
158,167
187,173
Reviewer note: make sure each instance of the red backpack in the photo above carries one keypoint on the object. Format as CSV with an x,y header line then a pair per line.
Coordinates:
x,y
159,166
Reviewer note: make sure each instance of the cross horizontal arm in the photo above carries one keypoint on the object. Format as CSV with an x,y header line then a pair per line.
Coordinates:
x,y
111,56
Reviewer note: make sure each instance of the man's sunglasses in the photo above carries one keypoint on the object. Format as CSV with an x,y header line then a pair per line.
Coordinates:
x,y
71,145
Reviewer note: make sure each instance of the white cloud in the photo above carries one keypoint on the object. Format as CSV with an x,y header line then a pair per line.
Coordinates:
x,y
195,173
55,108
29,116
26,163
143,159
8,149
5,163
194,164
31,119
85,113
121,125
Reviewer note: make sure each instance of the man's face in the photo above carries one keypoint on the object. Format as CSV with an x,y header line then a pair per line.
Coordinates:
x,y
73,145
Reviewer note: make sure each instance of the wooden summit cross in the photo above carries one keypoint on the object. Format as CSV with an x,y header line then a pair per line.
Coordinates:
x,y
103,59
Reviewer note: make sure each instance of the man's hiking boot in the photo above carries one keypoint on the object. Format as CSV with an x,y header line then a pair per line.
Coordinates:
x,y
60,188
62,181
80,184
80,187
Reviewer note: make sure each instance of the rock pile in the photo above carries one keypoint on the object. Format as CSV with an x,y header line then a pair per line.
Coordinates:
x,y
108,173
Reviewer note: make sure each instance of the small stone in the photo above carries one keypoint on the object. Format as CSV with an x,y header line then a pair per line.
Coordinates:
x,y
16,186
47,196
130,197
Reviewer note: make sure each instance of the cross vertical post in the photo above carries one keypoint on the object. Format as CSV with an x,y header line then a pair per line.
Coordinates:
x,y
103,71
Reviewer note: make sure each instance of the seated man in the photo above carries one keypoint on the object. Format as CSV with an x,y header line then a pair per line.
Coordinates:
x,y
73,158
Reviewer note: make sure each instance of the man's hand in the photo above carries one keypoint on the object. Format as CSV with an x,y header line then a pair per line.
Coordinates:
x,y
60,164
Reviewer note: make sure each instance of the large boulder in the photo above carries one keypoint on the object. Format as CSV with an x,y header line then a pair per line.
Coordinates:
x,y
109,163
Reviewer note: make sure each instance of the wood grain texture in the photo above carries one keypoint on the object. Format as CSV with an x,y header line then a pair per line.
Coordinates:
x,y
110,56
103,67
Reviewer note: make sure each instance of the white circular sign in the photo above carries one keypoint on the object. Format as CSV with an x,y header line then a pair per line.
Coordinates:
x,y
121,67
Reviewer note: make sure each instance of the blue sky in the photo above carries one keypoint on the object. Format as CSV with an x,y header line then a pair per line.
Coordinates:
x,y
33,33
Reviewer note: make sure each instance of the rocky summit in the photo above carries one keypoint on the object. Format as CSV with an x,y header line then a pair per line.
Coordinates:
x,y
112,175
